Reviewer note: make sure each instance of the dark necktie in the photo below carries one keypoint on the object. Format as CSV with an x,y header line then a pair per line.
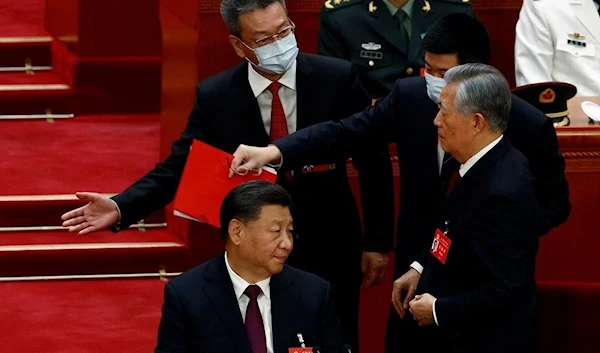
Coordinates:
x,y
254,323
449,174
401,16
279,126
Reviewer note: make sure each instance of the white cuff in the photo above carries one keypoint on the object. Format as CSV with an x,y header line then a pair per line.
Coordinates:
x,y
434,314
417,266
277,166
118,209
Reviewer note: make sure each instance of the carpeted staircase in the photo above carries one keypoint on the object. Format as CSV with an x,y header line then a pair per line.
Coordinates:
x,y
49,153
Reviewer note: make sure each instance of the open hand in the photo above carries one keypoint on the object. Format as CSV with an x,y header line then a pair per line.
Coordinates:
x,y
99,213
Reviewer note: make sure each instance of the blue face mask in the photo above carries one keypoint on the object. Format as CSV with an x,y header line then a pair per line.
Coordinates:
x,y
277,57
434,87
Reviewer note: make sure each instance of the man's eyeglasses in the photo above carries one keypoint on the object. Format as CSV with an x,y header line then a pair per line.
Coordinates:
x,y
272,39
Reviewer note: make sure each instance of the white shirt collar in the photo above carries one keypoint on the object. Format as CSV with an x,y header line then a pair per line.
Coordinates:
x,y
259,83
464,168
240,284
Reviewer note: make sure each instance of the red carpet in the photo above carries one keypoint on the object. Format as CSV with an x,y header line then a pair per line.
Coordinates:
x,y
89,153
21,78
20,22
93,316
22,18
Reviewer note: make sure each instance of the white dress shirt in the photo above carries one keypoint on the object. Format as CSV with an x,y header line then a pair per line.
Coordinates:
x,y
462,170
264,301
287,94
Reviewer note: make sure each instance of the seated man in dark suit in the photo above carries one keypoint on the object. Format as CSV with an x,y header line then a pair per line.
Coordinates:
x,y
477,290
246,300
274,91
406,117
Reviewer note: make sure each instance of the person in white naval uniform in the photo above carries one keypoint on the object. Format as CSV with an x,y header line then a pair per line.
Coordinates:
x,y
559,40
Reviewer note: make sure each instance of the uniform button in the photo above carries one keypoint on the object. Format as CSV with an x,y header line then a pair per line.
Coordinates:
x,y
576,53
409,70
371,63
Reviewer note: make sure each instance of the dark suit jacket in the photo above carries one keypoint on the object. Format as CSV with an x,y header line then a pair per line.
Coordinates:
x,y
486,289
371,39
406,117
201,313
226,114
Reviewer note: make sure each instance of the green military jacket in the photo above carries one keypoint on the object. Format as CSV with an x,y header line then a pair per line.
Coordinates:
x,y
365,33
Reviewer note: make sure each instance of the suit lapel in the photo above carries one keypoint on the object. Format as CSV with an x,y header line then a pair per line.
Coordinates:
x,y
384,23
220,293
248,108
586,13
283,300
307,93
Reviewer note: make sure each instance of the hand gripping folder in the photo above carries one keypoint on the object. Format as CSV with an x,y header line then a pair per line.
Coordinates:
x,y
205,183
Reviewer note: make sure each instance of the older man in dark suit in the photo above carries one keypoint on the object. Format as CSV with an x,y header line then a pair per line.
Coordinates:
x,y
276,91
246,300
406,117
477,289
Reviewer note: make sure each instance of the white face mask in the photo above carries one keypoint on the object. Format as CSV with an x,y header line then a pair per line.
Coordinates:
x,y
434,87
277,57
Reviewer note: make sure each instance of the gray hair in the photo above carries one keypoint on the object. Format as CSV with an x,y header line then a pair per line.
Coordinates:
x,y
481,89
232,9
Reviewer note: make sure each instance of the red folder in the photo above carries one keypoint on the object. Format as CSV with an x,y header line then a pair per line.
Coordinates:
x,y
205,183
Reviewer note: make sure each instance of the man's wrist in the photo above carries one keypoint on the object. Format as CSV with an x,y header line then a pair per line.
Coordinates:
x,y
417,267
276,160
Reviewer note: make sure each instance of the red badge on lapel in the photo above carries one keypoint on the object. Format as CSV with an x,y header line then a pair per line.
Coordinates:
x,y
300,350
440,246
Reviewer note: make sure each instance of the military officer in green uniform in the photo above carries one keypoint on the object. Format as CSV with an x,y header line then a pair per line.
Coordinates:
x,y
381,37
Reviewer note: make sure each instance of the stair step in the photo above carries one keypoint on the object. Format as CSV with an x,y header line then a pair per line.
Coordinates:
x,y
21,93
45,210
15,51
63,253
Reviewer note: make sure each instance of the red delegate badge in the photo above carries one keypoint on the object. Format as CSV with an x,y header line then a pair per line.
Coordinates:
x,y
300,350
440,246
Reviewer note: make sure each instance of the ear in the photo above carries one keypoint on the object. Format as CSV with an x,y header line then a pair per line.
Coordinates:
x,y
238,46
479,123
235,230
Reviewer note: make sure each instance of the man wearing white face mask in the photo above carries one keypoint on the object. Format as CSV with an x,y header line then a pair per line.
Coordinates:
x,y
275,91
406,117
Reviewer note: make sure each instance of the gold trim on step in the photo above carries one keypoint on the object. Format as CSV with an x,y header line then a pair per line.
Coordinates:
x,y
39,39
43,87
37,198
140,227
161,276
89,246
36,116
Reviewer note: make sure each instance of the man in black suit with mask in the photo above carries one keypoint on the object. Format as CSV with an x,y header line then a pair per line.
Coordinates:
x,y
276,91
246,300
406,117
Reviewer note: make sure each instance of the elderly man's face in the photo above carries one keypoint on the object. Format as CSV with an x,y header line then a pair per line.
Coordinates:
x,y
455,130
259,24
266,243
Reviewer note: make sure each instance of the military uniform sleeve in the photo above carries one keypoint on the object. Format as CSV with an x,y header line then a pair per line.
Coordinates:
x,y
331,42
534,50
